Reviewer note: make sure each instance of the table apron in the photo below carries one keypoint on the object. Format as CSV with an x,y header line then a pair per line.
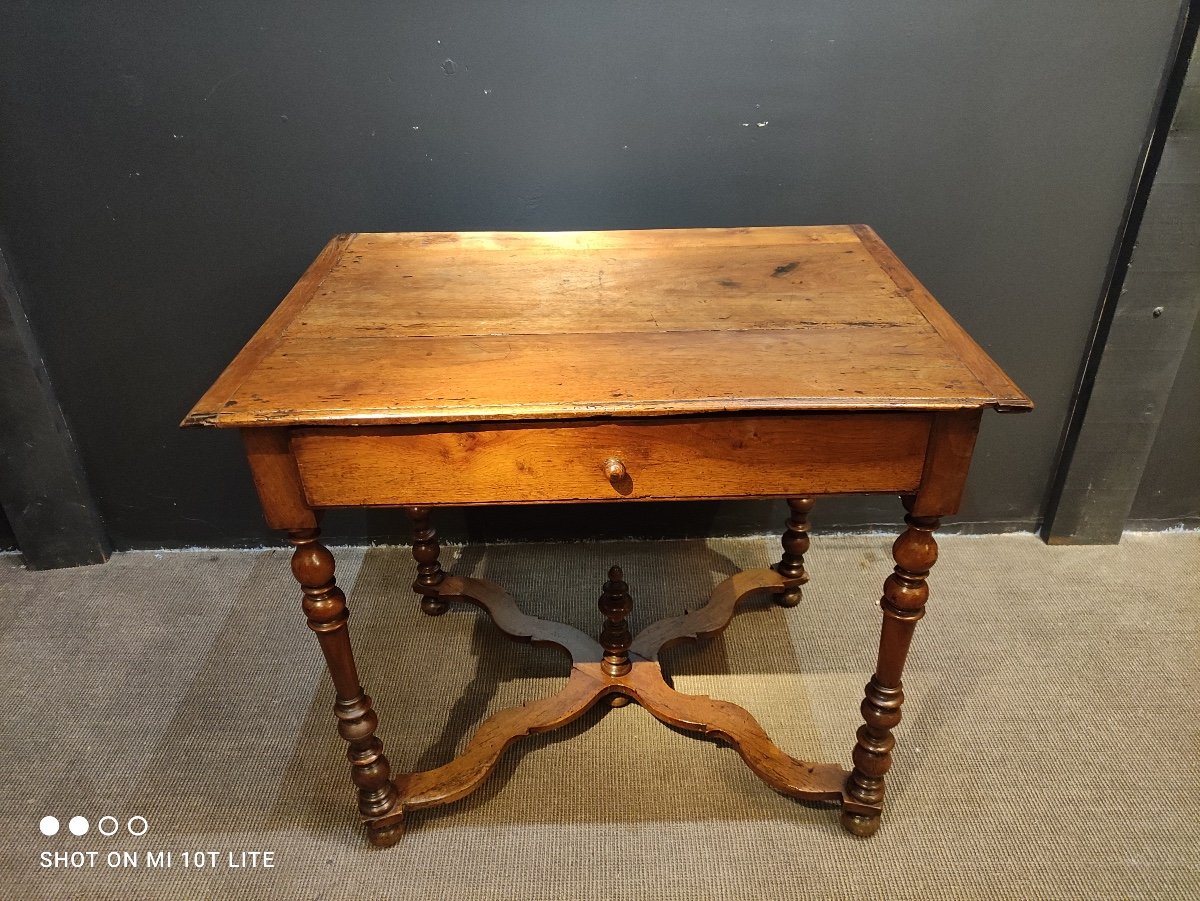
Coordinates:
x,y
661,459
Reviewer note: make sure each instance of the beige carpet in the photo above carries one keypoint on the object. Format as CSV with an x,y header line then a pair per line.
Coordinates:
x,y
1049,747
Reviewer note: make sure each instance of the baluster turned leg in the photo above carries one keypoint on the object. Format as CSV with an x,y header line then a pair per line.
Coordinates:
x,y
325,607
904,595
615,604
426,551
795,545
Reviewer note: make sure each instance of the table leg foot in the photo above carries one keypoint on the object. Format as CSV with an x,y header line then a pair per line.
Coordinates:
x,y
790,598
860,825
433,607
387,834
795,545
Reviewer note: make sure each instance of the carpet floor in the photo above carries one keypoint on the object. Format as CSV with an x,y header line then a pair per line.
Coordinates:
x,y
1049,747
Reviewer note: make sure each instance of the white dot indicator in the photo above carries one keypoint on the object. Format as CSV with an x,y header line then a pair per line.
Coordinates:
x,y
107,825
48,825
78,825
141,830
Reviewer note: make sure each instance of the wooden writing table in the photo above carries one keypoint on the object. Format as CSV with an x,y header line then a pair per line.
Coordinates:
x,y
430,369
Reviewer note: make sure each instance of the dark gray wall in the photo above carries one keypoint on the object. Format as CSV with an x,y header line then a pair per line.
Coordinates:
x,y
1170,491
168,169
8,541
1169,494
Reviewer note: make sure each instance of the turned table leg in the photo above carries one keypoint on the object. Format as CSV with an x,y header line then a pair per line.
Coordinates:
x,y
426,551
795,545
325,607
904,595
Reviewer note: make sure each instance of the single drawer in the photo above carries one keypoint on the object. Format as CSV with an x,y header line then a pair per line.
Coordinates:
x,y
634,459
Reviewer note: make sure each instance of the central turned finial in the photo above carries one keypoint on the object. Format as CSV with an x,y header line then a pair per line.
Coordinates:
x,y
615,603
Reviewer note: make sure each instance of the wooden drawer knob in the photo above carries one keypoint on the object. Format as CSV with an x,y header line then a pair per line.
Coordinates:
x,y
615,470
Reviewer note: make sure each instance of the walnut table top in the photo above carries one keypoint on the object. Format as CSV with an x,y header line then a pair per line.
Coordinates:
x,y
438,327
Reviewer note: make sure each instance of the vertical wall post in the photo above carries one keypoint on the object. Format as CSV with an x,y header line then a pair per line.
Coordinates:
x,y
1143,327
45,496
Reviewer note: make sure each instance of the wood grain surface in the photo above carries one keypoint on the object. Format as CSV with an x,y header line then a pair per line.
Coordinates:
x,y
438,327
280,491
765,456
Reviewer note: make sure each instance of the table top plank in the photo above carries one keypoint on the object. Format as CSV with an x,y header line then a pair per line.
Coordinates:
x,y
429,327
571,375
270,331
1008,397
540,290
